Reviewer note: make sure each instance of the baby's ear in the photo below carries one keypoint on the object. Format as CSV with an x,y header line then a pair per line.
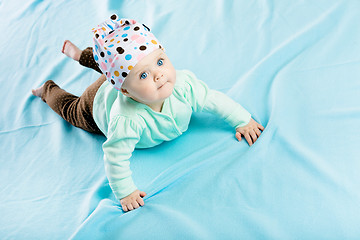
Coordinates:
x,y
124,92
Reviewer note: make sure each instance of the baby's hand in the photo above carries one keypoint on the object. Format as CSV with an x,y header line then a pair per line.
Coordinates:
x,y
251,131
132,201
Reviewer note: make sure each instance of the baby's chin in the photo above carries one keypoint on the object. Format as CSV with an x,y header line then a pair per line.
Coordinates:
x,y
167,89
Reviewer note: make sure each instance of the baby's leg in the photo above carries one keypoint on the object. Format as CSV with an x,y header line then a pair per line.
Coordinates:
x,y
84,57
87,59
75,110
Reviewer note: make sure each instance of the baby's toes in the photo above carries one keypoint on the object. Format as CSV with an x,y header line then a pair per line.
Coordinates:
x,y
37,92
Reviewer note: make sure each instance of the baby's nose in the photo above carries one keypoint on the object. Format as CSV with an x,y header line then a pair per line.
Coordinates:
x,y
158,76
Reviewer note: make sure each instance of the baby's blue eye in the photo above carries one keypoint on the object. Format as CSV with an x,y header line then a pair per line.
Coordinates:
x,y
160,62
143,75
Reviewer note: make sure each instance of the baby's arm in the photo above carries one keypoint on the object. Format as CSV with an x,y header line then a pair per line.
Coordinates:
x,y
204,99
251,131
123,135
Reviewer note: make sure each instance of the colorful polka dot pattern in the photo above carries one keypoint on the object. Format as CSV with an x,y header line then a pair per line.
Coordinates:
x,y
119,44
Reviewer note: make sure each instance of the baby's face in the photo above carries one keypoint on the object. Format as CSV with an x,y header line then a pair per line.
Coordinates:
x,y
152,79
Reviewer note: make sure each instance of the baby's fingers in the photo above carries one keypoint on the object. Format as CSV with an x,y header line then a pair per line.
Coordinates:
x,y
248,138
135,204
257,131
253,136
140,201
238,136
260,127
130,207
124,207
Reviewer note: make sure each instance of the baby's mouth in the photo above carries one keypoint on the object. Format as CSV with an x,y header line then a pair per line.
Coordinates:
x,y
162,85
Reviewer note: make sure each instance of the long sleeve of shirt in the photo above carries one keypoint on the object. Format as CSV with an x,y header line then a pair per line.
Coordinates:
x,y
204,99
122,139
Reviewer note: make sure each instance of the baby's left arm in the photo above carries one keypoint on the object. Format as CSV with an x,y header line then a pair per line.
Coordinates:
x,y
251,131
202,98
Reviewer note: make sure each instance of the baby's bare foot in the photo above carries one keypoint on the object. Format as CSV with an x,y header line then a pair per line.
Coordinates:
x,y
71,50
38,92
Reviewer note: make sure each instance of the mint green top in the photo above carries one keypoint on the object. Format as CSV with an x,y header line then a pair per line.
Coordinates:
x,y
128,124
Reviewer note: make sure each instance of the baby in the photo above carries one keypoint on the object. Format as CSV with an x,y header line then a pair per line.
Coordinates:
x,y
144,101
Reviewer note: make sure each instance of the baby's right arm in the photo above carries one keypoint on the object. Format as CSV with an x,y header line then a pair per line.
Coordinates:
x,y
133,201
122,138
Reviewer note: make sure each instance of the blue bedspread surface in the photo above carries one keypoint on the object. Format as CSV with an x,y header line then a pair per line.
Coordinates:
x,y
294,65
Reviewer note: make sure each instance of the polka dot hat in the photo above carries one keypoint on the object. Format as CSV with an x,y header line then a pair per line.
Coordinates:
x,y
119,44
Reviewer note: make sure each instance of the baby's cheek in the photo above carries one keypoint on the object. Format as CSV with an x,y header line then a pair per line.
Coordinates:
x,y
150,92
171,71
145,92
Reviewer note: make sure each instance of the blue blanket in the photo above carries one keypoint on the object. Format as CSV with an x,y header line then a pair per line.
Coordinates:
x,y
294,65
